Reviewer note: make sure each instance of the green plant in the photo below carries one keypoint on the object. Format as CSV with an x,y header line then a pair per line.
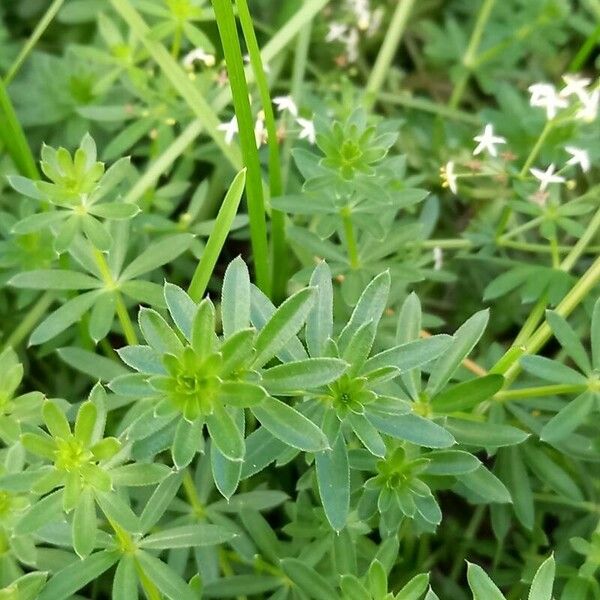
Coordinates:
x,y
301,302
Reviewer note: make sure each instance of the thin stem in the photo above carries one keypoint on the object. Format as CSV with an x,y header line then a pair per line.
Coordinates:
x,y
540,391
36,34
191,494
404,98
537,147
278,244
581,245
239,89
122,312
350,238
584,52
468,537
30,320
448,244
471,52
388,50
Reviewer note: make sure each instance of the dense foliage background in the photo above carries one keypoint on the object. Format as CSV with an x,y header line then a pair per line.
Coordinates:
x,y
299,299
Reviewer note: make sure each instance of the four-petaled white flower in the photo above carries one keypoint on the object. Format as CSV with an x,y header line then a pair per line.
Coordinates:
x,y
488,141
578,157
589,109
230,128
336,32
286,103
544,95
449,177
307,131
546,177
575,86
198,55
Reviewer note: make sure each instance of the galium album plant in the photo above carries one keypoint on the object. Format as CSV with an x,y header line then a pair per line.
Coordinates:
x,y
299,301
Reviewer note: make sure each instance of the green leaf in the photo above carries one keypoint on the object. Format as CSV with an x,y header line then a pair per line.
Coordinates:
x,y
294,377
283,325
290,426
118,510
412,428
185,442
125,586
551,370
451,462
54,279
333,478
486,485
543,581
235,297
415,588
467,395
114,211
78,574
225,433
569,340
308,580
226,473
44,511
144,359
70,312
409,355
165,579
157,332
203,329
102,317
96,233
55,420
85,422
84,524
158,254
94,365
160,500
319,323
369,308
37,222
353,589
464,340
569,418
485,434
595,335
187,536
481,585
181,307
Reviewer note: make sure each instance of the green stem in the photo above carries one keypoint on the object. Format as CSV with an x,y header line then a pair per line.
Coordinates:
x,y
539,391
468,537
36,34
536,148
388,50
447,244
404,98
471,52
30,320
122,312
191,494
578,292
278,244
239,88
350,238
581,245
584,52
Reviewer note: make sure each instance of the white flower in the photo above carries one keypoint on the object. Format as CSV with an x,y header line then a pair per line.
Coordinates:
x,y
336,32
449,177
546,177
578,157
488,141
351,41
544,95
589,109
260,131
230,128
286,103
307,131
198,54
575,85
438,258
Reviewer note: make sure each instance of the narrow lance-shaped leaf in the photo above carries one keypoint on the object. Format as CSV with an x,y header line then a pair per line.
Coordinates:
x,y
464,341
319,323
